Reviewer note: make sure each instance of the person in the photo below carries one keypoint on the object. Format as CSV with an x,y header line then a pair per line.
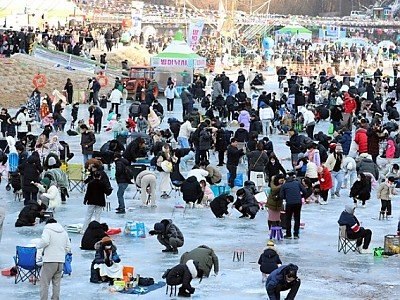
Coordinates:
x,y
361,189
53,164
257,159
115,99
233,157
385,192
142,124
169,235
219,206
361,137
28,214
95,198
165,160
295,146
74,114
325,183
309,121
123,180
367,165
354,230
282,279
22,120
266,116
93,234
135,149
106,264
69,88
269,260
55,244
273,168
292,191
246,203
184,133
186,100
30,171
147,182
214,175
50,195
183,274
206,258
170,92
191,192
208,194
87,141
96,113
274,202
334,163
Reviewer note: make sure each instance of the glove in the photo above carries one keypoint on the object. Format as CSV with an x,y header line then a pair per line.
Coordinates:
x,y
191,290
152,232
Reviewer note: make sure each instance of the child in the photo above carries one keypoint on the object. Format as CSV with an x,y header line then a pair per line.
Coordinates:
x,y
208,194
325,183
74,114
361,189
385,192
269,260
142,124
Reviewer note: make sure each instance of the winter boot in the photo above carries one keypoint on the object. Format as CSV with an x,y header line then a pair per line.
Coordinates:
x,y
381,215
183,293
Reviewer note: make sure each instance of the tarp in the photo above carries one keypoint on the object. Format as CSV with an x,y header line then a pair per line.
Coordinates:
x,y
178,54
293,30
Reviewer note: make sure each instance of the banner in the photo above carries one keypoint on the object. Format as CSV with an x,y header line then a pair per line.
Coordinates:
x,y
137,16
195,30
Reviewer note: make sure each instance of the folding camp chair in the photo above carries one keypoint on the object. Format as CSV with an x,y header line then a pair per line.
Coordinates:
x,y
25,261
344,243
76,177
136,169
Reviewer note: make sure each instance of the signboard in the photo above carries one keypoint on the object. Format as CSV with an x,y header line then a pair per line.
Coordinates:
x,y
194,34
137,16
178,62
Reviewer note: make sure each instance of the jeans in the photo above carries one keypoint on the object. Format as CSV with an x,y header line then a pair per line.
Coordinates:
x,y
293,210
28,196
183,163
266,126
183,142
339,180
362,234
92,210
232,169
120,194
294,158
86,157
170,104
97,126
51,272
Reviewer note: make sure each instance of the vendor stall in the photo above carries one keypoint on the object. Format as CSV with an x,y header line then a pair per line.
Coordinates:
x,y
177,61
293,33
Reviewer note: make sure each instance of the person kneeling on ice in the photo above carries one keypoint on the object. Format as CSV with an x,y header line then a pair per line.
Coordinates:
x,y
282,279
246,203
169,235
354,230
269,260
191,192
28,215
219,206
93,234
183,274
105,266
49,193
206,258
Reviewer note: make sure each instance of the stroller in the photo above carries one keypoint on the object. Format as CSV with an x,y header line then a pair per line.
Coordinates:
x,y
14,179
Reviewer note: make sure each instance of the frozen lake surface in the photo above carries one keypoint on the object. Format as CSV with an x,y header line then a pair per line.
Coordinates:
x,y
324,273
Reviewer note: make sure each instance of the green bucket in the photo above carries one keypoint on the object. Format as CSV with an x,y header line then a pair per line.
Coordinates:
x,y
378,251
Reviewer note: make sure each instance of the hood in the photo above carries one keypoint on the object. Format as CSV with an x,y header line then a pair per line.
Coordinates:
x,y
54,227
349,209
34,158
244,113
191,179
192,268
94,225
270,253
166,222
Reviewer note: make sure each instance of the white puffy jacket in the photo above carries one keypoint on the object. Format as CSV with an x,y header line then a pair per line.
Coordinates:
x,y
54,242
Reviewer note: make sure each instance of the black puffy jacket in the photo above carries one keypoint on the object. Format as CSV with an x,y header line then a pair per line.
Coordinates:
x,y
269,261
31,171
93,234
120,171
183,274
191,189
28,214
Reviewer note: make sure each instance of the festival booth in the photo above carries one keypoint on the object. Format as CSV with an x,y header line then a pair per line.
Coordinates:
x,y
177,61
293,33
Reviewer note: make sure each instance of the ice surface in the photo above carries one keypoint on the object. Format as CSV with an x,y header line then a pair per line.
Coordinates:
x,y
325,273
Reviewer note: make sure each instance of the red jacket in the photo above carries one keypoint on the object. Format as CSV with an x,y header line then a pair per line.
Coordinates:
x,y
349,104
361,139
390,148
325,179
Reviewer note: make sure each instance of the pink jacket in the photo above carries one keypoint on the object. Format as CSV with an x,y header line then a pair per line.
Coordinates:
x,y
390,148
208,193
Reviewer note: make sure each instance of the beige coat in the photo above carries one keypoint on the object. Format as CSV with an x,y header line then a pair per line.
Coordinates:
x,y
385,192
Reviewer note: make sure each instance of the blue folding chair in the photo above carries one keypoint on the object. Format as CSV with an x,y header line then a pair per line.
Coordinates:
x,y
25,261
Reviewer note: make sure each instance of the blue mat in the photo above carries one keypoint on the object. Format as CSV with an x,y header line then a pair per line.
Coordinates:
x,y
141,290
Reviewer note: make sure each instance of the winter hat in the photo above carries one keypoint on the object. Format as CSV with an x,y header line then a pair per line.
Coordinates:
x,y
51,162
344,88
391,179
339,148
349,209
106,240
365,155
45,182
270,244
159,227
